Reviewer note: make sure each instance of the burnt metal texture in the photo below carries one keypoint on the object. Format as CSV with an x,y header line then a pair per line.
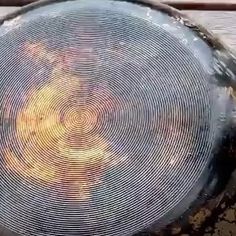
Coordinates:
x,y
113,115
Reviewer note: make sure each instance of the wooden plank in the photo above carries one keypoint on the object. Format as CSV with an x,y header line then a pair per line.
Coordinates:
x,y
210,5
15,2
6,10
221,5
220,23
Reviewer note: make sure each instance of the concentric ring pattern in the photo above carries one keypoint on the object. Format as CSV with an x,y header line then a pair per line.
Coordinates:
x,y
105,118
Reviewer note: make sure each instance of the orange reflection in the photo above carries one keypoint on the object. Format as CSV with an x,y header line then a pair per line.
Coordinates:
x,y
60,144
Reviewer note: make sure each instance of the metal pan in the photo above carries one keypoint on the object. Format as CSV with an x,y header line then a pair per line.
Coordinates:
x,y
116,117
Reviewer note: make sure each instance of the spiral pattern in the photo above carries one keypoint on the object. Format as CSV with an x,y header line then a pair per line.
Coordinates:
x,y
106,119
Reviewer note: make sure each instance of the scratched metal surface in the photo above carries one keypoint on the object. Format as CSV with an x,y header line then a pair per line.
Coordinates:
x,y
223,24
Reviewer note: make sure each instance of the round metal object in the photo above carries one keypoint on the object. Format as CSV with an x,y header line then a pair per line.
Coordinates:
x,y
111,115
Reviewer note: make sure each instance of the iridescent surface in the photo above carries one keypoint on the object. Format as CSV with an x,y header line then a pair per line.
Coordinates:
x,y
109,117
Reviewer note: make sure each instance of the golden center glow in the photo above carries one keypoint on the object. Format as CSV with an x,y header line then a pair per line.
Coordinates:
x,y
84,121
59,141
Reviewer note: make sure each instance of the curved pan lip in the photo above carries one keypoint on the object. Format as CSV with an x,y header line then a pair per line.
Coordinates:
x,y
206,35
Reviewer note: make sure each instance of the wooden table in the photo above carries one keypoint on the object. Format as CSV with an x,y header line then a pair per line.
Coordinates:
x,y
222,23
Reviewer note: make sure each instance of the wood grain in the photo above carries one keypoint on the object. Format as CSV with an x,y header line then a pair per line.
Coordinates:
x,y
6,10
223,24
15,2
215,5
